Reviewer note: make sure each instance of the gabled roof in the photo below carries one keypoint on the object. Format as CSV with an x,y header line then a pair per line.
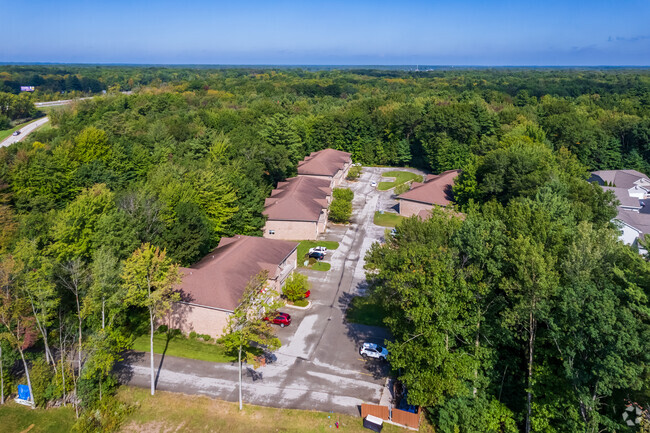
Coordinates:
x,y
219,279
326,162
638,220
619,178
435,190
623,195
298,199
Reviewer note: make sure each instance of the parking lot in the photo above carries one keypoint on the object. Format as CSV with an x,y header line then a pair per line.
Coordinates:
x,y
318,366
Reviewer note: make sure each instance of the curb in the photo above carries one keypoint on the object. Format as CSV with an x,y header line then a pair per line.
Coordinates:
x,y
297,307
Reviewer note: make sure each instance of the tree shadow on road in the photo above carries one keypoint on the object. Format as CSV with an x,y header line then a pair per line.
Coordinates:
x,y
360,334
124,368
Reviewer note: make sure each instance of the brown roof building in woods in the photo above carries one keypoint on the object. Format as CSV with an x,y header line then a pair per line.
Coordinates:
x,y
330,164
298,207
632,189
436,190
212,288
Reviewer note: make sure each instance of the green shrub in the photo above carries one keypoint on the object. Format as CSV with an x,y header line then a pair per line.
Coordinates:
x,y
162,329
401,189
340,211
106,416
345,194
354,173
43,384
193,335
295,287
301,303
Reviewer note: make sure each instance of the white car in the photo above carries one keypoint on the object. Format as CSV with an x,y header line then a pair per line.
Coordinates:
x,y
372,350
16,133
373,183
318,250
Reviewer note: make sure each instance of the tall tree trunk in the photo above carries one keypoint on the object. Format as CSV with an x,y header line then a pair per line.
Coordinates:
x,y
79,317
2,380
153,383
29,382
240,399
62,354
532,323
43,330
476,348
103,309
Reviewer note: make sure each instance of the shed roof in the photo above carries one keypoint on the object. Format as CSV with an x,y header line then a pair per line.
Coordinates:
x,y
435,190
326,162
220,278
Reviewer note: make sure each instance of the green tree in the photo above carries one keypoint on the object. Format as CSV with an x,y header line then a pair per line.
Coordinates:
x,y
75,226
340,211
247,332
150,279
295,287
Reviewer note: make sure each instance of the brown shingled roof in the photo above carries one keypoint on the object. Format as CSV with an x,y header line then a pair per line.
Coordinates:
x,y
298,199
219,279
435,190
326,162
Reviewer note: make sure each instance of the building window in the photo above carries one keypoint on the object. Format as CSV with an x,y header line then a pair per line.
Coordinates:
x,y
271,232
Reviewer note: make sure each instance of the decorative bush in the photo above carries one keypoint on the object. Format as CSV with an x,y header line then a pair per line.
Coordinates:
x,y
340,211
295,287
343,194
354,173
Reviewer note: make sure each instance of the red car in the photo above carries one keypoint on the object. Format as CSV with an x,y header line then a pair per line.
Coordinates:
x,y
282,319
307,293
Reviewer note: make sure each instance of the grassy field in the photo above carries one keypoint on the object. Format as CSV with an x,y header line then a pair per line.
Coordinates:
x,y
171,412
303,249
183,347
17,418
400,178
365,311
387,219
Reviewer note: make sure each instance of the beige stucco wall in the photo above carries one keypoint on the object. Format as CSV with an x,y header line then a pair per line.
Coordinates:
x,y
202,320
409,208
291,230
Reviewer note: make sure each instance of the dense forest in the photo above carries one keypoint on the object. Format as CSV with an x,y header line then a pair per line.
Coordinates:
x,y
528,311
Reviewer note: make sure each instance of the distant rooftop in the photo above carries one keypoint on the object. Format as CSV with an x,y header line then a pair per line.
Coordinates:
x,y
436,189
326,162
619,178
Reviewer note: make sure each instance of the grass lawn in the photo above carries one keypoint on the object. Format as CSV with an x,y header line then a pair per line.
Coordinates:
x,y
321,266
387,219
179,413
303,250
365,311
183,347
17,418
7,132
400,178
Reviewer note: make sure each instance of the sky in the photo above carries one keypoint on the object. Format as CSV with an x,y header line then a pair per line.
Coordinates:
x,y
353,32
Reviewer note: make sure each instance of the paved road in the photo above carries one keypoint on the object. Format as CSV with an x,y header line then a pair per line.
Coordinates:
x,y
60,102
24,132
318,366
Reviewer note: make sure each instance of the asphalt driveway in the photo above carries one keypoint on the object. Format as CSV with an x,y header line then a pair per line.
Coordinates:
x,y
318,366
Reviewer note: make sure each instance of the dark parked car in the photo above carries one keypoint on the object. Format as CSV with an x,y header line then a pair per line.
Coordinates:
x,y
317,255
16,133
282,319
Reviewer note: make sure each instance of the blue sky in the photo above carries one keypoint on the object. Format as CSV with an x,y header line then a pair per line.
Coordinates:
x,y
460,32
